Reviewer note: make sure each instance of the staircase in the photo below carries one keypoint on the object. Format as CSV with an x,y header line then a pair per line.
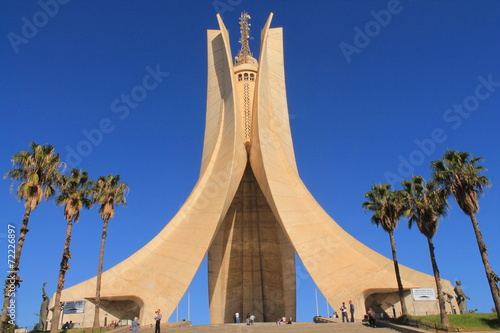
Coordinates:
x,y
338,327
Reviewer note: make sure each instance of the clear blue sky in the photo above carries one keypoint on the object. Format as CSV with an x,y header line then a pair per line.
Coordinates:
x,y
363,110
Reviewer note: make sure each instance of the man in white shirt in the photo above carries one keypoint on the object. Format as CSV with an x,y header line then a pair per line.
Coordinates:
x,y
158,320
343,309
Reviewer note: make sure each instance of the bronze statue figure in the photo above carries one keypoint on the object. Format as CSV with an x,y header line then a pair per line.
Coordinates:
x,y
461,297
44,309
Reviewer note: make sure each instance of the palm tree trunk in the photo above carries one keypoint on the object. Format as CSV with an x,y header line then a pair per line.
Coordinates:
x,y
13,278
64,267
490,275
442,309
99,273
398,275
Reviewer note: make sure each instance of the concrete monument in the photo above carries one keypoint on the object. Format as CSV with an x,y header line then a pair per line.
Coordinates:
x,y
250,212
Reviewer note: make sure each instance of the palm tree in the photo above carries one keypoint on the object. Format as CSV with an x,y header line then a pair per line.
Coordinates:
x,y
386,206
424,205
458,174
37,171
74,195
108,192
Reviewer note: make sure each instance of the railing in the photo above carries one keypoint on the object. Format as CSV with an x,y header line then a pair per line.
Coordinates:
x,y
417,324
428,326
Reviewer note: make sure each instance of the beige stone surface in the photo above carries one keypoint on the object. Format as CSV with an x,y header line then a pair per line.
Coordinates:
x,y
251,261
251,212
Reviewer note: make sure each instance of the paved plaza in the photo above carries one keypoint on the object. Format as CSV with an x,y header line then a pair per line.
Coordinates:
x,y
270,327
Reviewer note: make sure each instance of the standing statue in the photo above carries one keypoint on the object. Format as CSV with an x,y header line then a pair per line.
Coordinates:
x,y
44,309
461,297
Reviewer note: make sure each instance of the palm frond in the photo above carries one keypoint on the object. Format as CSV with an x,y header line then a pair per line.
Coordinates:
x,y
424,204
75,193
458,174
37,171
385,205
108,192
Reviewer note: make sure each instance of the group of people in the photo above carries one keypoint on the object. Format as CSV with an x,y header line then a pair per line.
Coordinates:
x,y
346,309
283,321
249,321
134,328
68,325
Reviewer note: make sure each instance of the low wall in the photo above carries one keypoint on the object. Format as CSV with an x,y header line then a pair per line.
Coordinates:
x,y
400,328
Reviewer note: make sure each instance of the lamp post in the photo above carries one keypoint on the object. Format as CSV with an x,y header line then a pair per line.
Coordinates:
x,y
189,306
316,295
61,311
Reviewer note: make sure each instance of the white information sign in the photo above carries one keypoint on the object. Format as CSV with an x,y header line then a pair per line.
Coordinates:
x,y
74,307
423,294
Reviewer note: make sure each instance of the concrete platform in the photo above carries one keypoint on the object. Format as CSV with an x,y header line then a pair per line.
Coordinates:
x,y
272,327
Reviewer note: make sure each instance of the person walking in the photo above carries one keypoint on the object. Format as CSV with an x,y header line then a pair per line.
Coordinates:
x,y
157,320
351,310
371,317
343,309
134,328
237,318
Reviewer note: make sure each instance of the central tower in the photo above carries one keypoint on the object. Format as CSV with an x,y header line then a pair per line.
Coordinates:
x,y
245,71
251,261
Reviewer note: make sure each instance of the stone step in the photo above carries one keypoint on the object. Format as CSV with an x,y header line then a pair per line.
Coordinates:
x,y
338,327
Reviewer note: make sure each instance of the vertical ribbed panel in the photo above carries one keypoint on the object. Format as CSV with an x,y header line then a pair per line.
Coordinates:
x,y
251,261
